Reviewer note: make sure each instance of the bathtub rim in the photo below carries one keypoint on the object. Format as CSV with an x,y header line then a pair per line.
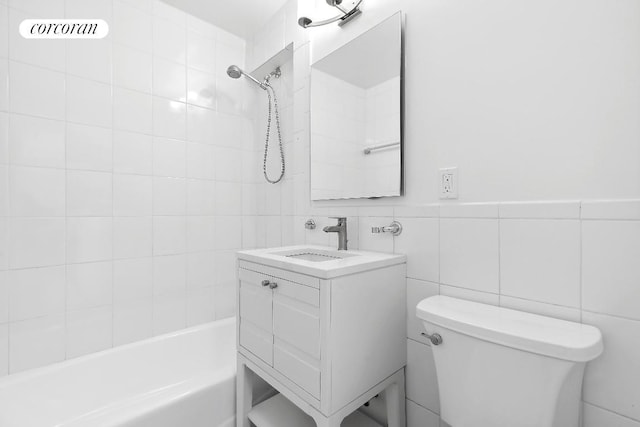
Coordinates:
x,y
35,372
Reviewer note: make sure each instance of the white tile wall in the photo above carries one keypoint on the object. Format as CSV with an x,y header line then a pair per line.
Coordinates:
x,y
96,213
542,258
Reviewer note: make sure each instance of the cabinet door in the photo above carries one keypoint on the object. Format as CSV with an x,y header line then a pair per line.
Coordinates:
x,y
256,315
296,330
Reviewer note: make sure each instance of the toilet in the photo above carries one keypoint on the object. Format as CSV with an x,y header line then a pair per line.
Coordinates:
x,y
498,367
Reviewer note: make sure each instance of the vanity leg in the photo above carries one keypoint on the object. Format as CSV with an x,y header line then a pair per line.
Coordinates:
x,y
333,421
244,395
395,401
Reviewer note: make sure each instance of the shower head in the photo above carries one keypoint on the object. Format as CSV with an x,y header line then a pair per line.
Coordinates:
x,y
235,72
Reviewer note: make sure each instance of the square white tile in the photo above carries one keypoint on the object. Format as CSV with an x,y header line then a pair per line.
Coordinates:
x,y
169,235
132,111
169,196
469,254
420,242
90,59
36,242
37,192
169,313
88,102
36,91
200,306
36,141
200,161
169,79
200,197
36,292
89,148
89,330
132,195
132,68
228,232
201,235
540,260
132,321
132,279
89,239
89,285
422,383
169,274
132,153
610,381
132,237
169,118
201,271
201,88
202,125
36,342
169,40
89,193
199,50
610,267
418,290
169,157
132,26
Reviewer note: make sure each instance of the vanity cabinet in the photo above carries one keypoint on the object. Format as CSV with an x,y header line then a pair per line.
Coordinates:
x,y
325,343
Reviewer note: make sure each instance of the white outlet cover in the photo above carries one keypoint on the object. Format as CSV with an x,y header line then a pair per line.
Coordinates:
x,y
448,183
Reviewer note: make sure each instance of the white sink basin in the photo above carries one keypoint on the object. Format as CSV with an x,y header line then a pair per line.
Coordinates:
x,y
315,254
320,261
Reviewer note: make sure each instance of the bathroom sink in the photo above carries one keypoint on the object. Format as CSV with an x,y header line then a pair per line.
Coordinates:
x,y
315,254
320,261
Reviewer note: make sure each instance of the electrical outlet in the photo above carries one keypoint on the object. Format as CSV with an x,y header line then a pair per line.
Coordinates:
x,y
448,183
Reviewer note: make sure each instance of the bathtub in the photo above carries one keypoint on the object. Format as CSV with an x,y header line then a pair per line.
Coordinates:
x,y
182,379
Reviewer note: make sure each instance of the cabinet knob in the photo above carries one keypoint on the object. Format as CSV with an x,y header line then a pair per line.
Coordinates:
x,y
266,282
273,285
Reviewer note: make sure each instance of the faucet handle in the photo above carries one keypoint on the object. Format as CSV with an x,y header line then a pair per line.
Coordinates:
x,y
339,218
394,228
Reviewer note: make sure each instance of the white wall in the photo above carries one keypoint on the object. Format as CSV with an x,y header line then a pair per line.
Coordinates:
x,y
120,167
533,101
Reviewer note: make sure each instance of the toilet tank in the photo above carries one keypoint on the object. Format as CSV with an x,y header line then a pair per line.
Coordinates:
x,y
498,367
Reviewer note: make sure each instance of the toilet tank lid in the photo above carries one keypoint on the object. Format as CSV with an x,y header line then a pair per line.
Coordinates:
x,y
525,331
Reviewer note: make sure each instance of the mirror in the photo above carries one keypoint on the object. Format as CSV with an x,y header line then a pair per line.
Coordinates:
x,y
356,137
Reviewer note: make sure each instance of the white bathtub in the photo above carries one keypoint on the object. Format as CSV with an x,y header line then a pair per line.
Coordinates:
x,y
182,379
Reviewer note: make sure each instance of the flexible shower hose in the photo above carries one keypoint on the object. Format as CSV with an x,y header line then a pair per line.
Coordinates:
x,y
271,93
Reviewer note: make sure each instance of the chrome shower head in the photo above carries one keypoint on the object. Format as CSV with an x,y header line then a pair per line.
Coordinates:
x,y
234,72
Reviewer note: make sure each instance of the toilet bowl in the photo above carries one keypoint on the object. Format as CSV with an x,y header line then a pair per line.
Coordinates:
x,y
498,367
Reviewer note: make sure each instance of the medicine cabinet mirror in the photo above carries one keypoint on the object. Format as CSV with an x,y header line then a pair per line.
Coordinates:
x,y
356,117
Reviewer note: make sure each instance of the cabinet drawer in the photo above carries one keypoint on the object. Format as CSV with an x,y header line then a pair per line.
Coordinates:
x,y
298,325
282,274
257,341
297,370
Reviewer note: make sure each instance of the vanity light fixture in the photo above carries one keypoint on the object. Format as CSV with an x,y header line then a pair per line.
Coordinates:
x,y
346,16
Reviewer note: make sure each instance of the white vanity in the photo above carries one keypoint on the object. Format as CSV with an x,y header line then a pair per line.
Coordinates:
x,y
326,329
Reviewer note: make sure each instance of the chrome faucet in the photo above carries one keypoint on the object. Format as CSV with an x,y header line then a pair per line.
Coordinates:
x,y
341,229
